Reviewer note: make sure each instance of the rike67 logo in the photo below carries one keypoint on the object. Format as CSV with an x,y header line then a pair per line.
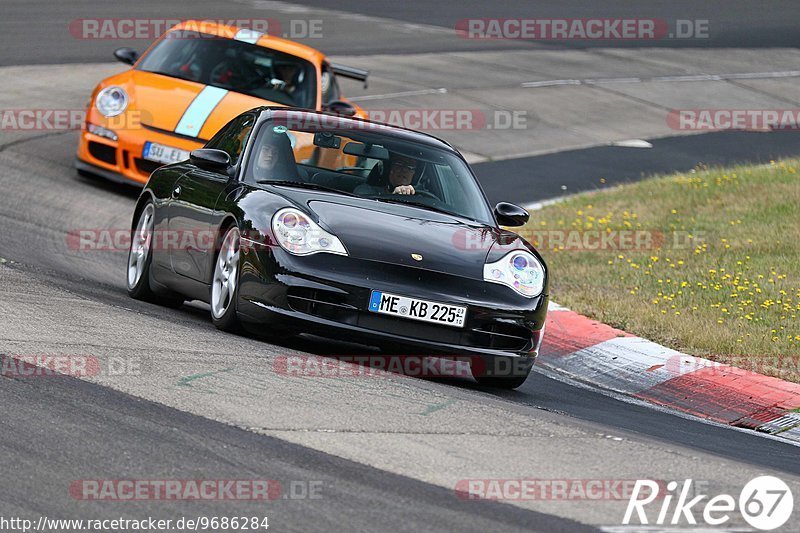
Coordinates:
x,y
765,503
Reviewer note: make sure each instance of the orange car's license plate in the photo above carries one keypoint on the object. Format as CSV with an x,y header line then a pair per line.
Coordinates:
x,y
163,154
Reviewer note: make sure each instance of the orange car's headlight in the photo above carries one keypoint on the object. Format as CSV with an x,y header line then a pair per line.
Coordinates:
x,y
111,101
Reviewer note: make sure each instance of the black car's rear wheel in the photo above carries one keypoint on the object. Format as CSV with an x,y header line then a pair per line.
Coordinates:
x,y
225,283
140,257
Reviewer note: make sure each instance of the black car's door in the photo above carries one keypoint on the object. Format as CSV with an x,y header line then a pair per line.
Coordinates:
x,y
194,198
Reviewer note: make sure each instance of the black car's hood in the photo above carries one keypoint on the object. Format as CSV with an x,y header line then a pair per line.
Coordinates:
x,y
394,233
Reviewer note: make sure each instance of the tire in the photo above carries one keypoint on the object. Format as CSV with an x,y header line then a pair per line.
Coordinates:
x,y
225,283
140,257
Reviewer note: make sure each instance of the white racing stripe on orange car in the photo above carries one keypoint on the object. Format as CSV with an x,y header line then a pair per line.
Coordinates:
x,y
199,110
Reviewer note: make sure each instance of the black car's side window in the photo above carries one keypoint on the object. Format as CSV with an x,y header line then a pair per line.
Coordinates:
x,y
233,137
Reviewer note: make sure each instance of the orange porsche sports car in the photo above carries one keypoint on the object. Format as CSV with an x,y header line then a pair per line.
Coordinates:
x,y
188,85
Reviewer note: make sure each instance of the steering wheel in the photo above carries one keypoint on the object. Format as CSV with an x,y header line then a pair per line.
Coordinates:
x,y
242,82
219,71
425,193
346,170
418,193
184,69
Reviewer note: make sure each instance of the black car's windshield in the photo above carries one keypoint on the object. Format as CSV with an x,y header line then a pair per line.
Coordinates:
x,y
424,205
370,162
236,66
304,185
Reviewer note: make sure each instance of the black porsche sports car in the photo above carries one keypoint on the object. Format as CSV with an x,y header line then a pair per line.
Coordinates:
x,y
292,221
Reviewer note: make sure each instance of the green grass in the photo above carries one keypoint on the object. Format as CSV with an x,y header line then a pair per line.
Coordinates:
x,y
721,278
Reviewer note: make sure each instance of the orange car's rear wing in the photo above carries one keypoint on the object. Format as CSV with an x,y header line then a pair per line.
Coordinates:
x,y
350,72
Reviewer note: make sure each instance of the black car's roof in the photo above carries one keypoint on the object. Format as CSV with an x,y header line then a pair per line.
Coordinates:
x,y
341,122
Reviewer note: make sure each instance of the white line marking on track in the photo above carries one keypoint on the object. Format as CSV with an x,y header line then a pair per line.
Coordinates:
x,y
632,143
537,206
668,79
600,81
694,77
440,90
550,83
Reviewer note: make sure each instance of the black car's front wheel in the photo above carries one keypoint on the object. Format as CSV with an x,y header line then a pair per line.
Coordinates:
x,y
225,283
140,257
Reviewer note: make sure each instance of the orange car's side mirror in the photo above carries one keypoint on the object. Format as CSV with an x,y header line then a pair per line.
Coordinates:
x,y
129,56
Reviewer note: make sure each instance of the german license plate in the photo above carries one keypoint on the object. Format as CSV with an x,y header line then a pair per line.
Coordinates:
x,y
163,154
424,310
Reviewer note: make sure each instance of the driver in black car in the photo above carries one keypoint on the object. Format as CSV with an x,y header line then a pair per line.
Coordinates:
x,y
275,158
398,181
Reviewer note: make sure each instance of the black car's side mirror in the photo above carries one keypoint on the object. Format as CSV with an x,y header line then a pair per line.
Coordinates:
x,y
510,215
211,159
341,108
126,55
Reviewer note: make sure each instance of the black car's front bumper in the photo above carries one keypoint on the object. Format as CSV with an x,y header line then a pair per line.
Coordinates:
x,y
328,295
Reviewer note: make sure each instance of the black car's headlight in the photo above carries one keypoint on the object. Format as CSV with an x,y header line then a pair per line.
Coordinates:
x,y
299,235
519,270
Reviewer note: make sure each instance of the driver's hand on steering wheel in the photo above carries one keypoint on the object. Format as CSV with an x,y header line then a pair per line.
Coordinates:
x,y
404,189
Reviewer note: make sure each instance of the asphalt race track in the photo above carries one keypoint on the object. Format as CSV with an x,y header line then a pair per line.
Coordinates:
x,y
388,452
737,23
550,175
